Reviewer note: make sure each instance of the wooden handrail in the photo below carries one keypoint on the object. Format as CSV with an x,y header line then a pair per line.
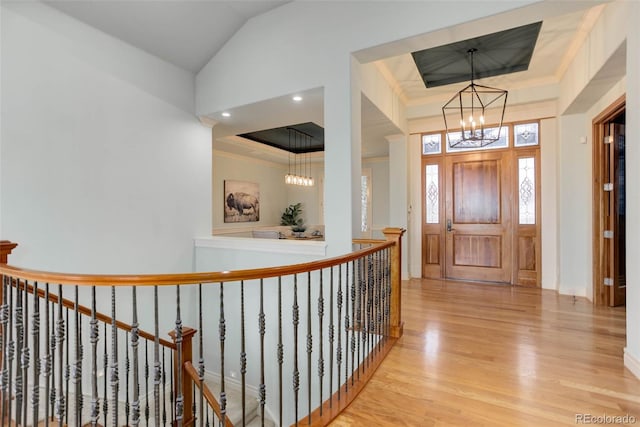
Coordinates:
x,y
183,354
368,241
207,393
186,278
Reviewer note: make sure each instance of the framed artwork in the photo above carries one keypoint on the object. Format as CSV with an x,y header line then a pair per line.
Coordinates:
x,y
241,201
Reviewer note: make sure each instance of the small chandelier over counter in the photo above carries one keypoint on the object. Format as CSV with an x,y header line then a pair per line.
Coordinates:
x,y
299,145
467,109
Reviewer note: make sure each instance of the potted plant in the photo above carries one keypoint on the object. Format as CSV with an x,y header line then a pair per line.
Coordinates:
x,y
292,216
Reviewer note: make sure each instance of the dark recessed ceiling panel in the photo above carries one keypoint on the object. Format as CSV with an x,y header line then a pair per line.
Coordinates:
x,y
304,138
499,53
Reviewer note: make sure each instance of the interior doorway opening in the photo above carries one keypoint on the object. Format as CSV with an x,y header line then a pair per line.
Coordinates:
x,y
609,206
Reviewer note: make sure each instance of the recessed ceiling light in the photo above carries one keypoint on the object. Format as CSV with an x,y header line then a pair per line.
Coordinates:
x,y
226,114
297,98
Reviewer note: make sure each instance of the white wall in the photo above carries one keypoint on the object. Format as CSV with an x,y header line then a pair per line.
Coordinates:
x,y
379,194
310,197
549,148
269,176
575,213
337,30
104,166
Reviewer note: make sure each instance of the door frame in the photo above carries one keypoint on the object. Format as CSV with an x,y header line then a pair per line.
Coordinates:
x,y
600,291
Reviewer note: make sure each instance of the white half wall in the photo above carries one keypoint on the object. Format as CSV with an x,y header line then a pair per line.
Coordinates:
x,y
105,169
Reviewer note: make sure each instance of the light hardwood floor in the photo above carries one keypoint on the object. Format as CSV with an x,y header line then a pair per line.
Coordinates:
x,y
488,355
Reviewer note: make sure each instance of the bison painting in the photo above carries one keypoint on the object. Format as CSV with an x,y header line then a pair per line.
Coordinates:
x,y
242,202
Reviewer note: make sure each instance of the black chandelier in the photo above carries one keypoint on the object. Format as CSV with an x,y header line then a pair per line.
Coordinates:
x,y
467,109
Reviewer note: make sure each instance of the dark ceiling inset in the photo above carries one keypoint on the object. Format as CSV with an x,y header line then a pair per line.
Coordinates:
x,y
499,53
308,138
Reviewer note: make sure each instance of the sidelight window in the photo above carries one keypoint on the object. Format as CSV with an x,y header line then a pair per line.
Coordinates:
x,y
432,193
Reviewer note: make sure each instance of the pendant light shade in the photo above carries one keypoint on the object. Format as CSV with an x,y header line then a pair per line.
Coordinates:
x,y
467,110
299,145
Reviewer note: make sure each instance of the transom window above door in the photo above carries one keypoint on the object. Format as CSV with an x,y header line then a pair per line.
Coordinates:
x,y
522,134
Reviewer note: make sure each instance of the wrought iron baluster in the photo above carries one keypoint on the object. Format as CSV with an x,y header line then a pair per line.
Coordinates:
x,y
10,348
387,279
115,380
177,369
26,357
19,354
67,366
94,337
331,338
164,386
105,370
296,321
222,330
354,320
364,282
135,342
201,354
4,321
172,396
77,370
321,336
359,303
80,398
127,374
280,349
262,392
369,307
380,306
4,313
376,301
193,402
243,353
60,338
156,359
53,398
309,345
146,381
339,301
382,296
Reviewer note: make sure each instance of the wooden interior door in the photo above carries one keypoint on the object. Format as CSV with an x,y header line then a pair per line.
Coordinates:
x,y
613,236
478,217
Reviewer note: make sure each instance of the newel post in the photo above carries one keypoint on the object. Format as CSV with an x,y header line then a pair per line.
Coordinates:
x,y
395,235
179,370
5,250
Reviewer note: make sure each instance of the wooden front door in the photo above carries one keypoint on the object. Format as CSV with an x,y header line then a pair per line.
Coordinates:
x,y
478,217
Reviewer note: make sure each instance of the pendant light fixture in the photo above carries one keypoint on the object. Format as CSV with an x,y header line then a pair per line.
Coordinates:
x,y
299,145
467,109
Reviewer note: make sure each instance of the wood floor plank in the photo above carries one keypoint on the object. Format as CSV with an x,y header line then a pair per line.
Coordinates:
x,y
488,355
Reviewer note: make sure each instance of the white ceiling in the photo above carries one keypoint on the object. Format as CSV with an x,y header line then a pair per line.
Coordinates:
x,y
188,33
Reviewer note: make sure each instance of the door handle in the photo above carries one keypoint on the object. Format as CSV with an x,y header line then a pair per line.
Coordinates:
x,y
449,229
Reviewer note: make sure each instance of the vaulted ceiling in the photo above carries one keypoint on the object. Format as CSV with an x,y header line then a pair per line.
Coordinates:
x,y
189,33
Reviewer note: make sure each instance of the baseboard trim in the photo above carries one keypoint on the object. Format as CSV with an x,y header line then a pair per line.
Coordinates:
x,y
632,363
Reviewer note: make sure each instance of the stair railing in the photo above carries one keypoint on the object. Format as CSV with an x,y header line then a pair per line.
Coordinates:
x,y
344,318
